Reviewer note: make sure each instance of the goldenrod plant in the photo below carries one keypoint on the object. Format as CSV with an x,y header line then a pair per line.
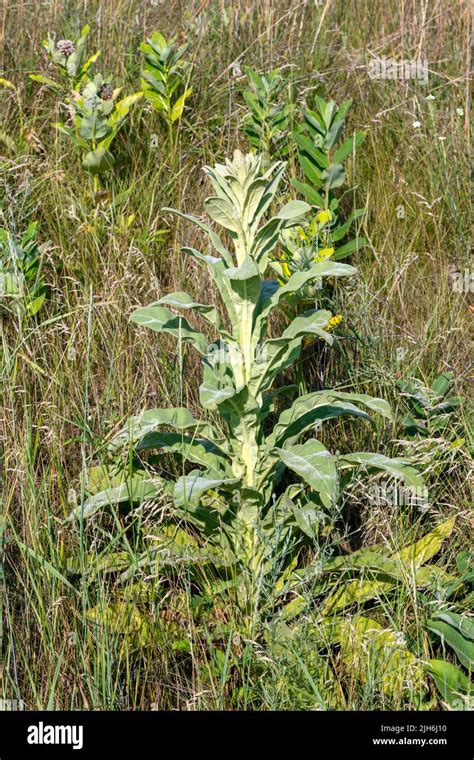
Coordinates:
x,y
165,76
71,61
252,490
321,156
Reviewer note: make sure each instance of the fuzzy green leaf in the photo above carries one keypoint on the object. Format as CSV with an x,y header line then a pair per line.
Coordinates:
x,y
313,462
162,320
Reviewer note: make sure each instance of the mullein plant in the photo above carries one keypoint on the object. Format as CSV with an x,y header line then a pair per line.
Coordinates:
x,y
267,122
255,484
165,77
321,156
71,61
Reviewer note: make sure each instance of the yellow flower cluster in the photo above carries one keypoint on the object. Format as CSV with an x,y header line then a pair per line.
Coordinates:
x,y
324,216
323,254
318,221
334,321
307,235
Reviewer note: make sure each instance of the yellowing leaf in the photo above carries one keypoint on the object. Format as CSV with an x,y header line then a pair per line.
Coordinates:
x,y
285,575
408,559
178,108
293,608
122,619
6,83
356,591
420,552
378,656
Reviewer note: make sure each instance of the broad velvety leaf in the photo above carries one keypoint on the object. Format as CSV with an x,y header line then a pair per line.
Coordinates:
x,y
137,489
454,686
190,488
398,468
162,320
313,462
451,636
181,300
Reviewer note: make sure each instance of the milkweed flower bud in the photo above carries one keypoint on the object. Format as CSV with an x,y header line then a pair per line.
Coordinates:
x,y
66,47
106,92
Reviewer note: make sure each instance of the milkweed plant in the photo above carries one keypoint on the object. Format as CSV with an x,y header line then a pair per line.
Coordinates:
x,y
96,111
